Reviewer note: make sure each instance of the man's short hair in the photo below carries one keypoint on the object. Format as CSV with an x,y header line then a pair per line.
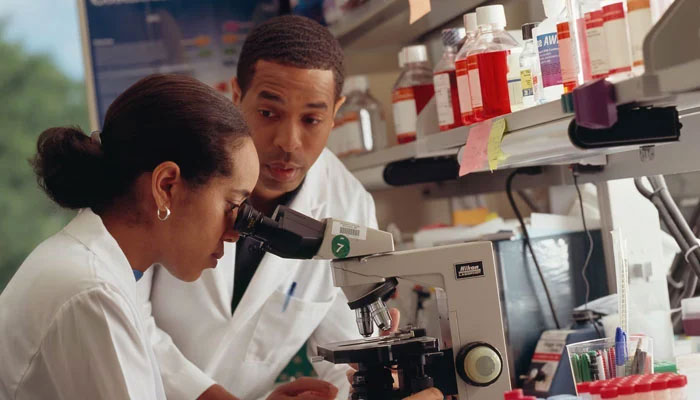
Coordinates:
x,y
293,41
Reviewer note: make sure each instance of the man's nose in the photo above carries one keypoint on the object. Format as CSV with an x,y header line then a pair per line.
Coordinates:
x,y
289,137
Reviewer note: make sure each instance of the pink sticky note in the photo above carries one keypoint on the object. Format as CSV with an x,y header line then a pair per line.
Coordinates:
x,y
475,152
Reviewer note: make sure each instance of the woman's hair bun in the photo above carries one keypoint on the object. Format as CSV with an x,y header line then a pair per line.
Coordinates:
x,y
70,167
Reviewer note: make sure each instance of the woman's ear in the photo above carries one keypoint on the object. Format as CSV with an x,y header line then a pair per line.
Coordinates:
x,y
166,181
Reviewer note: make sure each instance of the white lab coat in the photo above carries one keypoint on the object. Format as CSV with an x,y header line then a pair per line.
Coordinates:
x,y
246,352
70,326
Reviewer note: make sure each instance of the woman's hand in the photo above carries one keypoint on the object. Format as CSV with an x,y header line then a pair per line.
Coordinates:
x,y
305,389
427,394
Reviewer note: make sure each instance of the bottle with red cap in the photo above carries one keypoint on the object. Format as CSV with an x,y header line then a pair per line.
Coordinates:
x,y
608,392
677,387
515,394
583,390
642,389
625,390
659,388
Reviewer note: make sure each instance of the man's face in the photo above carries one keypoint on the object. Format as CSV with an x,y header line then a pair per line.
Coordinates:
x,y
290,112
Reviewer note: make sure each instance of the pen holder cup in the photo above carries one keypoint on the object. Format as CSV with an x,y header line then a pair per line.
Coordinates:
x,y
639,358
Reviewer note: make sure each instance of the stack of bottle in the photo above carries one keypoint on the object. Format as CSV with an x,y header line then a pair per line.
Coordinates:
x,y
667,386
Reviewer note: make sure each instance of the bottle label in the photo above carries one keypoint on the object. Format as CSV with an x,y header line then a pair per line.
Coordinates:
x,y
597,47
619,57
566,57
526,82
465,99
405,114
443,99
346,137
548,50
474,83
640,23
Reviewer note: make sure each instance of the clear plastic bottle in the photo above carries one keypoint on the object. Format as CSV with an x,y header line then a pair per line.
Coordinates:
x,y
360,126
445,81
412,92
462,69
573,48
493,46
530,78
548,51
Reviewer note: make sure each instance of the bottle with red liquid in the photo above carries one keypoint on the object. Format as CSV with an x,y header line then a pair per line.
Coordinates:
x,y
463,85
445,81
412,92
491,52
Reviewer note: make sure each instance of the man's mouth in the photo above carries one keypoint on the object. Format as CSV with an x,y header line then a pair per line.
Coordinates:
x,y
283,172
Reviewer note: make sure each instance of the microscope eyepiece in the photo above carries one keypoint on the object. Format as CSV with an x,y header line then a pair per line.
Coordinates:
x,y
251,222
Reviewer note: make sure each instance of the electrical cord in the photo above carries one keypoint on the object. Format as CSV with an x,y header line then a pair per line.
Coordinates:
x,y
526,235
590,240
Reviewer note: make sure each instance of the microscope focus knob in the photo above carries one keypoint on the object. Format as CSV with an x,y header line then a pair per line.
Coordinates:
x,y
479,364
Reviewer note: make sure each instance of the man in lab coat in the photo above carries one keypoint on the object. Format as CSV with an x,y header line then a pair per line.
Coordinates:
x,y
229,327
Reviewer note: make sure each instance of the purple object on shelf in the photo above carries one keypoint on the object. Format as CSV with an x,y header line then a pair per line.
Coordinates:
x,y
594,105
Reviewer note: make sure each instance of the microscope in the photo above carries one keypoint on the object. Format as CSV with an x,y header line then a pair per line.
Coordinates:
x,y
468,360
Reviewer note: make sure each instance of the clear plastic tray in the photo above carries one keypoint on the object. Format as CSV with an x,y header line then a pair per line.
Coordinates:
x,y
639,361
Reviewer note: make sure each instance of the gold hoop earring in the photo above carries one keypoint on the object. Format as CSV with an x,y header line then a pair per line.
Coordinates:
x,y
167,214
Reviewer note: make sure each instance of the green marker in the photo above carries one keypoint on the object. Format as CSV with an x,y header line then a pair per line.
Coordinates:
x,y
575,363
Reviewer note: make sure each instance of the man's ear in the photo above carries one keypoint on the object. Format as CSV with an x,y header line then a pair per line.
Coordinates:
x,y
237,94
338,104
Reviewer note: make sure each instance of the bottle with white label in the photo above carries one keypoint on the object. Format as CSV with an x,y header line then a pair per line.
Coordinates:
x,y
462,70
640,23
359,125
530,80
545,35
617,37
412,92
596,40
515,84
445,81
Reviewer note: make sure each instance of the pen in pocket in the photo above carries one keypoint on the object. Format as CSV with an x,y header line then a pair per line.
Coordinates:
x,y
290,293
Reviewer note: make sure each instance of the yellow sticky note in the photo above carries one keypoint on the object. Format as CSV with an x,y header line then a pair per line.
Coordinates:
x,y
418,8
495,155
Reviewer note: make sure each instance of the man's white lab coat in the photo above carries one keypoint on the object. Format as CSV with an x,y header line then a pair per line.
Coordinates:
x,y
70,322
246,352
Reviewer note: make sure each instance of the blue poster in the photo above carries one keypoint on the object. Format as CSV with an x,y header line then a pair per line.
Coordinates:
x,y
130,39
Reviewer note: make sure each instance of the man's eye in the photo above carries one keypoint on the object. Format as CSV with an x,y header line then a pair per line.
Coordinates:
x,y
312,120
267,113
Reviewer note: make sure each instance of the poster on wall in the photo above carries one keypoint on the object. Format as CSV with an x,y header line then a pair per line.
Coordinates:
x,y
126,40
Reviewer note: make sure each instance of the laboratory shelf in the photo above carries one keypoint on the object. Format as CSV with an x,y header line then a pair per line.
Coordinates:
x,y
538,136
379,22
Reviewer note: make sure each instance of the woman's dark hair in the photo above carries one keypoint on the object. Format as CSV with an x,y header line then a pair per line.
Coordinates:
x,y
159,118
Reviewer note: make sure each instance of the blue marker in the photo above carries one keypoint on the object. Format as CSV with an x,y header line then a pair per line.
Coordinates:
x,y
290,293
620,352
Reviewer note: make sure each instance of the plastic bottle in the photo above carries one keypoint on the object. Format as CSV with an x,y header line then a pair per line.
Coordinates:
x,y
359,124
530,79
626,390
515,84
640,23
596,388
412,92
515,394
461,65
548,51
617,37
677,386
576,68
608,392
596,40
584,390
493,46
642,390
445,81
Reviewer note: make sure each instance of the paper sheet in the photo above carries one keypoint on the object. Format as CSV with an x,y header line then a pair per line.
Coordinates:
x,y
419,8
475,151
495,154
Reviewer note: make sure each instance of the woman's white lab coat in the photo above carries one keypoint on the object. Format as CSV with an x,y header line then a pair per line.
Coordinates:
x,y
246,351
69,327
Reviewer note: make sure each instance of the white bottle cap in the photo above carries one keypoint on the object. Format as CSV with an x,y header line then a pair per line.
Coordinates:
x,y
553,8
415,54
356,83
493,15
470,22
402,57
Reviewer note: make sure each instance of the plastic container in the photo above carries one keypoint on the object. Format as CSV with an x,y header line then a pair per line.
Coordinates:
x,y
593,360
690,311
530,79
548,51
596,388
677,387
360,126
617,37
659,388
462,67
412,92
445,81
515,394
493,46
608,392
640,23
